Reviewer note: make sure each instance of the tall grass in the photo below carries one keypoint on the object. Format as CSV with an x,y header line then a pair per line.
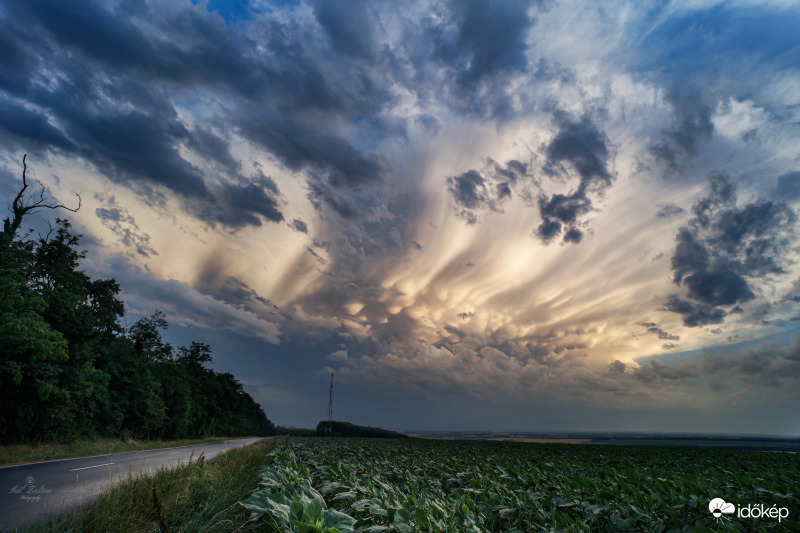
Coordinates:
x,y
30,453
199,496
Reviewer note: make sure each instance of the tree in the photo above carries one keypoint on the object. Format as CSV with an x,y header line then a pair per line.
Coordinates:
x,y
31,357
194,355
32,351
67,366
146,337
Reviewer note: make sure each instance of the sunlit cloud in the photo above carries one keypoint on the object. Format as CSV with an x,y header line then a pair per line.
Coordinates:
x,y
551,199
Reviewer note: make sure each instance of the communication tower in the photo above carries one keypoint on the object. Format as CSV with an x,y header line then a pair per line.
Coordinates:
x,y
330,409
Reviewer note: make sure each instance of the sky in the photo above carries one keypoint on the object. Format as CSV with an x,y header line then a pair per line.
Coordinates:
x,y
479,214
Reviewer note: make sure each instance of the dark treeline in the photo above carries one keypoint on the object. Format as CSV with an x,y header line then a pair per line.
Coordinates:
x,y
68,368
346,429
295,431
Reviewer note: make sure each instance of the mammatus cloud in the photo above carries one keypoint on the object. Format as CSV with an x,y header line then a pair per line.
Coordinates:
x,y
305,170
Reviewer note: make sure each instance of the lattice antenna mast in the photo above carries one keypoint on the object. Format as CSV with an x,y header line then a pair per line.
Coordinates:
x,y
330,409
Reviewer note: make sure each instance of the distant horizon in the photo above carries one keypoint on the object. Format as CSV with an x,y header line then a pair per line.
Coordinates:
x,y
592,432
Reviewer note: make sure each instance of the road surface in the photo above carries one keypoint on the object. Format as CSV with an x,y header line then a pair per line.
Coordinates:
x,y
31,492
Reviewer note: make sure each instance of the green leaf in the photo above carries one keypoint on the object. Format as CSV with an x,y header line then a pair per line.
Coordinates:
x,y
333,519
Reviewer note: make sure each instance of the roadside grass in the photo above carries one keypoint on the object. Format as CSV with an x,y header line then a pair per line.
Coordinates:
x,y
199,496
30,453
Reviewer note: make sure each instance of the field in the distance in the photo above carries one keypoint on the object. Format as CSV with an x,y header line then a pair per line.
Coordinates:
x,y
688,440
312,484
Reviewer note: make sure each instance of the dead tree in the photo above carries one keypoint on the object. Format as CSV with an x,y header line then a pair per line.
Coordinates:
x,y
25,204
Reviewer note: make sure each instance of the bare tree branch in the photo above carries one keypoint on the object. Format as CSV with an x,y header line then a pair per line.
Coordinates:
x,y
24,205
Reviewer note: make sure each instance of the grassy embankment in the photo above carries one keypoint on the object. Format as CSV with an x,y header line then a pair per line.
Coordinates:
x,y
15,454
200,496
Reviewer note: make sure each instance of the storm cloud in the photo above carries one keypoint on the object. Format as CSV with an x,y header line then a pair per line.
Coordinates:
x,y
475,191
578,148
724,250
481,200
114,103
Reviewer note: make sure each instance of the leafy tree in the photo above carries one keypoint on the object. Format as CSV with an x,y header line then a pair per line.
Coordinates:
x,y
194,355
146,337
67,366
31,354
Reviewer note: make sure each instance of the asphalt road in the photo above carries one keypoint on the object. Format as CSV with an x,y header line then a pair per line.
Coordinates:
x,y
31,492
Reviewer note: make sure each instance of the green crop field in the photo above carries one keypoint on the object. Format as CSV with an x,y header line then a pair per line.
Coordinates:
x,y
363,485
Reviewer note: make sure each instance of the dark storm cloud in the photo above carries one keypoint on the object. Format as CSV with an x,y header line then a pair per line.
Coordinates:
x,y
465,52
321,194
348,24
213,147
583,147
788,187
23,128
694,314
466,315
9,183
243,203
88,81
577,148
468,189
301,146
724,250
474,191
488,37
197,47
16,67
140,145
656,330
299,225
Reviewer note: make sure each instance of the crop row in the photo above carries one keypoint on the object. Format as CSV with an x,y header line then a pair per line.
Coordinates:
x,y
365,485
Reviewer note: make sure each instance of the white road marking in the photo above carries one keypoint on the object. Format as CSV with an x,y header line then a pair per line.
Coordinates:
x,y
95,466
